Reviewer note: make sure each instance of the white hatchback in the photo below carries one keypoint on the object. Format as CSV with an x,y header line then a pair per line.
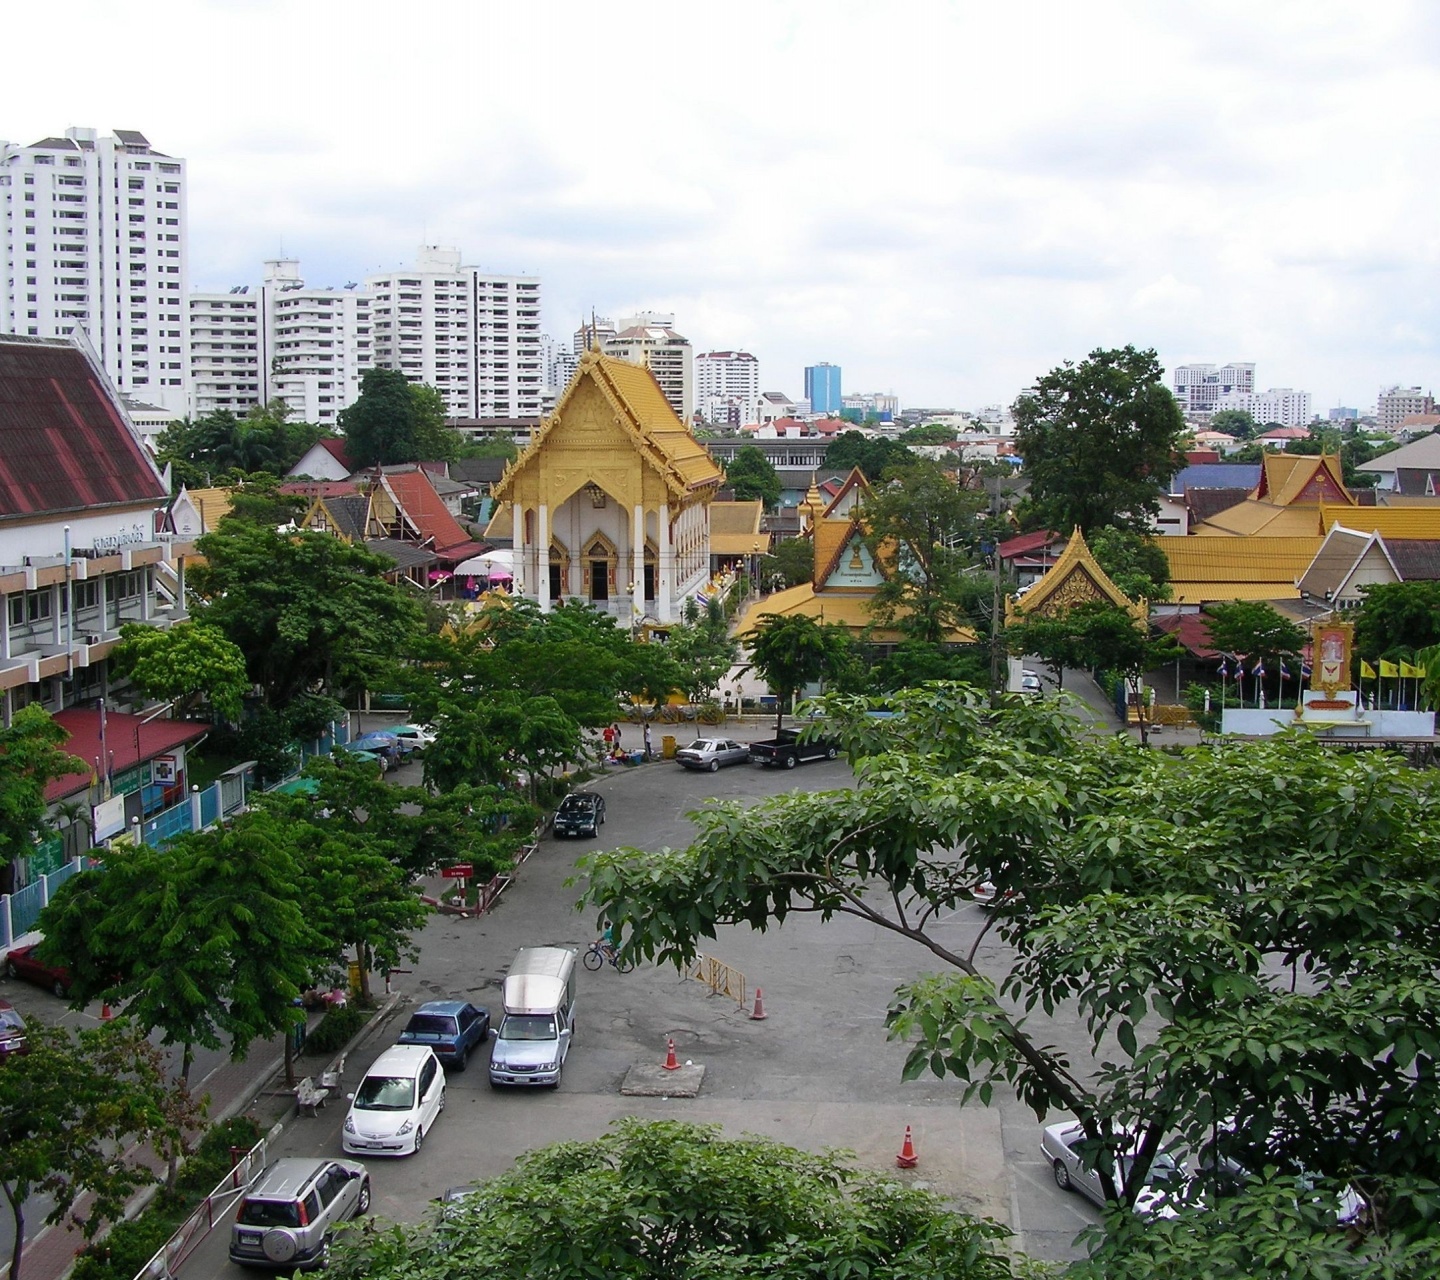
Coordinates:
x,y
396,1104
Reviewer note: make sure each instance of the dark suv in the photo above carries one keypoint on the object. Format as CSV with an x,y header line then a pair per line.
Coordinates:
x,y
288,1214
581,813
453,1028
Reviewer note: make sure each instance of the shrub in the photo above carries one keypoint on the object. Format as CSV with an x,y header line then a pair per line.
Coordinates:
x,y
337,1028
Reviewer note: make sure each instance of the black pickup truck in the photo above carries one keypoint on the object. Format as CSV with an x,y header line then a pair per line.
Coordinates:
x,y
787,750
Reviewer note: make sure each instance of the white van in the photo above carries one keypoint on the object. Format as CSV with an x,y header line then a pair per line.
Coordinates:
x,y
539,1021
401,1096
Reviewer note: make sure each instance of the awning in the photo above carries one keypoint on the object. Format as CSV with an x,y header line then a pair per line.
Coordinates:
x,y
492,564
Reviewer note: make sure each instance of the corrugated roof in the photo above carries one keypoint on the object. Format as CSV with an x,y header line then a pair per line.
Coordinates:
x,y
736,517
1424,452
1392,522
65,444
1216,475
406,555
1334,562
849,609
1192,630
1416,561
128,740
416,495
1253,518
1202,593
1264,563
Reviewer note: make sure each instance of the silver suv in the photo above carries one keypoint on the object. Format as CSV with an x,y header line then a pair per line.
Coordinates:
x,y
288,1214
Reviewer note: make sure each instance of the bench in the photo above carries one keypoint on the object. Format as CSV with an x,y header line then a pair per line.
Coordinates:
x,y
330,1078
309,1097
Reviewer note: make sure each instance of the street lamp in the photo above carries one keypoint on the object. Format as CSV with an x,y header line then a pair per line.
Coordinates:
x,y
755,566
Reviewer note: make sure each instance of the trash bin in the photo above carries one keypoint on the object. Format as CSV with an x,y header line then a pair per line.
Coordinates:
x,y
667,746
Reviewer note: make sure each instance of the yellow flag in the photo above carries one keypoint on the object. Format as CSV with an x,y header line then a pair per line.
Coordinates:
x,y
1409,670
1367,672
1388,670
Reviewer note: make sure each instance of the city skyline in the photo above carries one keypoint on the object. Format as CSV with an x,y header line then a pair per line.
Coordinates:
x,y
1006,191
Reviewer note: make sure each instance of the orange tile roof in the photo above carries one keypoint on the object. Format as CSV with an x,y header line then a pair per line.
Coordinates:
x,y
414,493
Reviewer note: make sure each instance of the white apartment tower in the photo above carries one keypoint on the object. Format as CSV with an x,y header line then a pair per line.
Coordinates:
x,y
1282,405
1395,404
94,238
650,339
727,388
226,363
1198,387
315,344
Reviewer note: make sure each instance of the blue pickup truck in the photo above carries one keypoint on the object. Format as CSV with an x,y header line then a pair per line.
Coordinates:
x,y
786,750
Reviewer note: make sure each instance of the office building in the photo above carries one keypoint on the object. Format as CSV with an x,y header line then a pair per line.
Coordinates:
x,y
1395,404
822,388
727,388
594,332
650,339
1198,387
94,238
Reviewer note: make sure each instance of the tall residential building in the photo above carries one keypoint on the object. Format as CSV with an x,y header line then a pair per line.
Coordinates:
x,y
1395,404
595,332
315,343
1283,405
1199,386
94,238
226,363
822,387
727,388
650,339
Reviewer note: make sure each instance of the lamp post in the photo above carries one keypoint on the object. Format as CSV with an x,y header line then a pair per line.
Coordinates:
x,y
755,566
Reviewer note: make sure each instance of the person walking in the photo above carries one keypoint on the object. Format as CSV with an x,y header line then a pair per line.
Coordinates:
x,y
648,755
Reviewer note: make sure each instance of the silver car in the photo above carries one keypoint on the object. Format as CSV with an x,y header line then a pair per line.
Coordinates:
x,y
1072,1172
711,753
289,1213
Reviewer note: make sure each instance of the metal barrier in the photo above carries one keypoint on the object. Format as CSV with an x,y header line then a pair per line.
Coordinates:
x,y
163,827
20,910
211,1212
719,977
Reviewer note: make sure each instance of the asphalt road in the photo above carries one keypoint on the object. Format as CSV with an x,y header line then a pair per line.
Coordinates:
x,y
818,1072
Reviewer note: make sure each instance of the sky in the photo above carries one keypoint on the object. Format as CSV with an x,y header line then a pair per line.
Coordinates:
x,y
945,199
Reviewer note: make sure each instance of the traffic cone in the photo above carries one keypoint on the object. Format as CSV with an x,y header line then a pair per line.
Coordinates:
x,y
907,1159
671,1064
758,1014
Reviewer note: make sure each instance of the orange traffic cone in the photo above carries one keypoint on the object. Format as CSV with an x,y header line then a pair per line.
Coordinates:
x,y
907,1159
670,1061
758,1014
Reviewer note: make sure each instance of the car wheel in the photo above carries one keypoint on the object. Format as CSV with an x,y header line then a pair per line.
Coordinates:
x,y
831,753
60,989
1062,1176
790,762
10,970
419,1142
714,765
362,1205
461,1058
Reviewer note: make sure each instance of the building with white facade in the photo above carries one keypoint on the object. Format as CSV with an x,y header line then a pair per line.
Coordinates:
x,y
1198,387
1288,407
226,363
1395,404
315,343
93,234
727,388
650,339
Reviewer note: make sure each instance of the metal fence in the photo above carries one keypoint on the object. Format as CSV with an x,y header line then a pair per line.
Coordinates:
x,y
20,910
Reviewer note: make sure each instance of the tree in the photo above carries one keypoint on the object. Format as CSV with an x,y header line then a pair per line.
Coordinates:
x,y
494,739
750,474
76,1112
703,652
1239,423
31,756
1111,639
1209,914
873,455
1099,439
184,664
790,563
1050,637
394,420
931,433
307,610
667,1199
1253,629
924,528
1134,562
220,448
1397,618
792,651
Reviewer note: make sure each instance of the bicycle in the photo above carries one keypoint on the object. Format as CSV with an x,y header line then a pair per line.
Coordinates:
x,y
600,952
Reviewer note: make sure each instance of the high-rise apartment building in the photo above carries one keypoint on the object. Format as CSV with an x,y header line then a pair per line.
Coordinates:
x,y
822,388
1282,405
226,362
1395,404
316,344
650,339
94,237
595,332
1199,387
727,388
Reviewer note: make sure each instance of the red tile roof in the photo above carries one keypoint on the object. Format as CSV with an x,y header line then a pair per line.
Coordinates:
x,y
321,488
1192,630
1018,546
64,445
414,492
335,447
129,740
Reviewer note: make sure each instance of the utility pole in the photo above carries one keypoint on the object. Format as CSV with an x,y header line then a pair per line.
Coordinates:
x,y
992,487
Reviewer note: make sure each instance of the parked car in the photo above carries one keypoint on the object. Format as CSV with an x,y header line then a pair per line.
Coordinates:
x,y
1225,1165
288,1215
452,1028
413,737
12,1031
712,753
1030,683
581,813
396,1104
21,963
1059,1143
786,750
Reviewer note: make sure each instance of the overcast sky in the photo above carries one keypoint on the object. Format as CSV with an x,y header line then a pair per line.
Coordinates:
x,y
945,199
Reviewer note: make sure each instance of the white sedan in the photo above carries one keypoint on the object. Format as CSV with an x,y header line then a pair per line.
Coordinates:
x,y
711,753
1072,1172
413,737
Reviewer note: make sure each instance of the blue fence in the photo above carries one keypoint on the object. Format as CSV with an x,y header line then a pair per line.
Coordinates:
x,y
20,910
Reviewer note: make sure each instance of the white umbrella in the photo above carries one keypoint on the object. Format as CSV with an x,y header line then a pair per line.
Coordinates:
x,y
483,566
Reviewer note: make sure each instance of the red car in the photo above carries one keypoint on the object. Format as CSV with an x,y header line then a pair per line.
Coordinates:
x,y
12,1031
21,963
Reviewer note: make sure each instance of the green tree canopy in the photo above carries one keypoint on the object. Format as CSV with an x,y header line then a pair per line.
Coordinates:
x,y
1111,639
790,563
703,652
1210,914
1254,629
751,475
394,420
792,651
874,455
1135,562
1239,423
1099,439
1397,618
308,611
220,448
32,754
185,664
665,1199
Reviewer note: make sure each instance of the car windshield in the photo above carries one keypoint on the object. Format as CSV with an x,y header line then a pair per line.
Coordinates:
x,y
575,804
11,1021
386,1093
432,1025
270,1213
528,1026
700,744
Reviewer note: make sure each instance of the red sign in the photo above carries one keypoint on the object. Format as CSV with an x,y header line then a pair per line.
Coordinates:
x,y
462,871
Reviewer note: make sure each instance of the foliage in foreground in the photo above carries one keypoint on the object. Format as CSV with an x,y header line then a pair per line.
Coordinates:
x,y
676,1200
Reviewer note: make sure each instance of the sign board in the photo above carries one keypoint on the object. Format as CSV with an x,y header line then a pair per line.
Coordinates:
x,y
461,871
162,769
109,818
